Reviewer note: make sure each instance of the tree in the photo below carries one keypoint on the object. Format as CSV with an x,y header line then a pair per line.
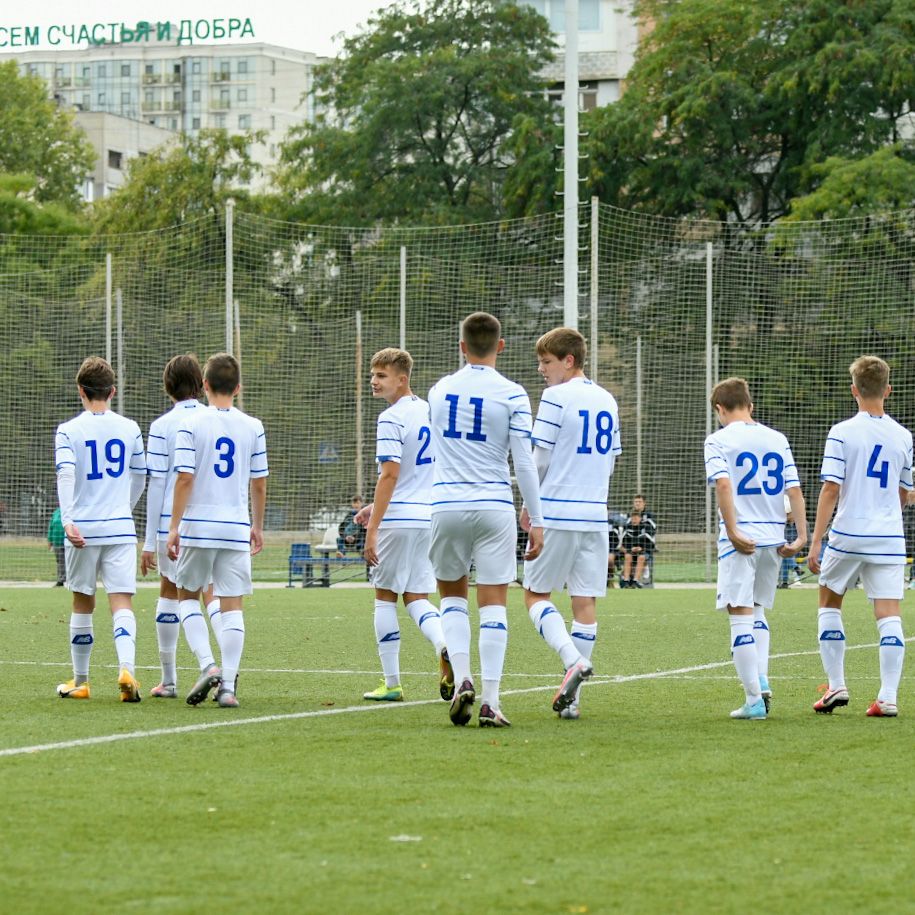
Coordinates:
x,y
733,104
180,182
416,115
38,138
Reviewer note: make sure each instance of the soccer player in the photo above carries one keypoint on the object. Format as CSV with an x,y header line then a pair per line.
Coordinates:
x,y
222,455
751,468
397,533
101,472
867,475
183,381
477,417
576,441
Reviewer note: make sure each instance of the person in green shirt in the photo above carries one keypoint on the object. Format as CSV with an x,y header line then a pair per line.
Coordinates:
x,y
56,543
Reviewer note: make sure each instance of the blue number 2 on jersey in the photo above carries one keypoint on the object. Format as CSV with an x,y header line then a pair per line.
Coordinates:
x,y
775,479
425,434
881,473
225,447
476,434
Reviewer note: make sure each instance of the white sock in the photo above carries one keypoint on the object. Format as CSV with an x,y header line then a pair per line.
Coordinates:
x,y
743,651
551,626
761,634
429,620
584,635
124,624
196,633
233,641
81,639
493,642
832,645
387,635
892,654
168,627
456,630
215,615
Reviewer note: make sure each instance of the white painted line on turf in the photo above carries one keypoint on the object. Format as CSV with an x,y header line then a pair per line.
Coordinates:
x,y
322,713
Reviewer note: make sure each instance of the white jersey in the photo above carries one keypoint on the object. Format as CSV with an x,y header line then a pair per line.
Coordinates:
x,y
760,465
579,422
224,448
404,437
160,455
473,412
870,457
104,449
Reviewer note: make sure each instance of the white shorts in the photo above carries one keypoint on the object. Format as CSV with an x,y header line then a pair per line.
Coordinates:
x,y
168,568
575,560
485,538
403,561
114,563
747,580
228,570
880,580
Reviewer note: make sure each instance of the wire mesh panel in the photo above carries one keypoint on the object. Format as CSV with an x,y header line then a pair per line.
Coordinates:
x,y
792,305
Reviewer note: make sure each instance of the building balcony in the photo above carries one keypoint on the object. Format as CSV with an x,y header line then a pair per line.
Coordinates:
x,y
150,79
220,105
220,77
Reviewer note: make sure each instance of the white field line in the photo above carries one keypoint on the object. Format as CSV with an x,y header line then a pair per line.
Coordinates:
x,y
322,713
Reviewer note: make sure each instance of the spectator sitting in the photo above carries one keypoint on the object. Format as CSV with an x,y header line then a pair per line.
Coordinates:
x,y
638,541
56,543
617,521
351,534
908,528
789,564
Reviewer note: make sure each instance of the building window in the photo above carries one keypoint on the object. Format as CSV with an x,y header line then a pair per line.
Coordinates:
x,y
149,69
176,69
221,121
148,98
85,73
224,67
224,98
195,124
195,66
58,72
173,123
555,12
114,159
243,66
272,67
101,98
244,121
101,70
243,95
125,98
272,150
86,103
273,93
125,69
195,95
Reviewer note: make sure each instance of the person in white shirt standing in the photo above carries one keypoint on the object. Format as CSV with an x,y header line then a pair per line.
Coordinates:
x,y
867,475
222,454
183,382
752,469
399,522
477,417
576,441
101,473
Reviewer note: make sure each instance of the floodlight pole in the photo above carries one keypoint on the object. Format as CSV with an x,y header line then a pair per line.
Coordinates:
x,y
230,276
570,170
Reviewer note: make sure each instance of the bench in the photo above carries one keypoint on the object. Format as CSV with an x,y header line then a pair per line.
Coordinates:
x,y
304,560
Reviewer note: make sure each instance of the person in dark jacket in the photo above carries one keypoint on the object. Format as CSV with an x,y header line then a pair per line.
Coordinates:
x,y
638,543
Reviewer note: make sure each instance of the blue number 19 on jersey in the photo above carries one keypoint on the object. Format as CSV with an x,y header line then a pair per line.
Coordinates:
x,y
476,434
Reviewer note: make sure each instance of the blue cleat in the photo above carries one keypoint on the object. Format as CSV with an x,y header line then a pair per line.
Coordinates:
x,y
754,712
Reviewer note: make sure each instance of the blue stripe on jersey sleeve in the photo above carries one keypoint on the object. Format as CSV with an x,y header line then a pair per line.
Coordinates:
x,y
524,432
839,440
832,457
388,440
521,412
156,454
719,473
542,441
550,403
261,435
258,454
384,458
716,457
64,463
183,468
516,396
547,422
823,476
162,437
69,448
391,422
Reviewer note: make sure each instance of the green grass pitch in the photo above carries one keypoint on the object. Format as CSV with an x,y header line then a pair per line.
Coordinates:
x,y
315,801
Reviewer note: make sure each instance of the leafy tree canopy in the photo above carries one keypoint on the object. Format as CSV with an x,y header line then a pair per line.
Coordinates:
x,y
416,114
39,139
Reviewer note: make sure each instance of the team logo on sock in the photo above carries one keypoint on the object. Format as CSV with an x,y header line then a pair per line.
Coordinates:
x,y
759,624
85,639
744,640
893,641
391,637
167,618
121,631
832,635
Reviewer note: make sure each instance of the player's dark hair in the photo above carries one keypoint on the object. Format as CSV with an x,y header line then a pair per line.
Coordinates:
x,y
183,377
561,342
222,373
391,357
731,394
870,375
357,498
481,333
96,378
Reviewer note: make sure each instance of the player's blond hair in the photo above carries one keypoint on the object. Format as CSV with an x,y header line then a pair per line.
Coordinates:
x,y
391,357
96,378
561,342
481,333
731,394
870,375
